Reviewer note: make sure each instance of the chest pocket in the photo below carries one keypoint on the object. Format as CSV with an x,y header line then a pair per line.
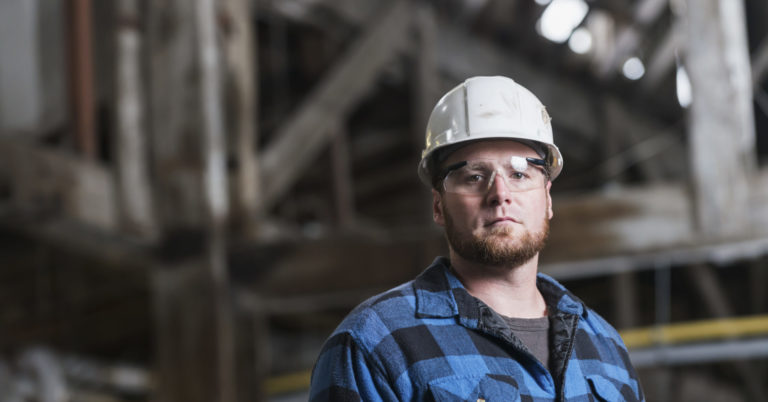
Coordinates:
x,y
490,388
603,389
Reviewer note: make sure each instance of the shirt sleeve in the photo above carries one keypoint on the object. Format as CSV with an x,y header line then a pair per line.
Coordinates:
x,y
343,372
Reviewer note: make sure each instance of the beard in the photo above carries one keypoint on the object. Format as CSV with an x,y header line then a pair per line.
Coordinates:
x,y
496,247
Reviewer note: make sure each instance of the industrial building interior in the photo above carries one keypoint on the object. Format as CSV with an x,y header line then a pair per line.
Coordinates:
x,y
193,193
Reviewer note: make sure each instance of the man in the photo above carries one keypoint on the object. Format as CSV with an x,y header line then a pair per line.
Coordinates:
x,y
481,325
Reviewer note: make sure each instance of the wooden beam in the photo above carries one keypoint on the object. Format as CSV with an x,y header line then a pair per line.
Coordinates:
x,y
176,115
722,132
216,200
297,143
242,65
137,214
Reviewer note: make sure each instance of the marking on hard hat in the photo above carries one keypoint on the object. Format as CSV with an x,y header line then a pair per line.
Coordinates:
x,y
544,115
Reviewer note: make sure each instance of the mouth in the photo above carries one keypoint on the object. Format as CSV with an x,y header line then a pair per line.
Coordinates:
x,y
504,220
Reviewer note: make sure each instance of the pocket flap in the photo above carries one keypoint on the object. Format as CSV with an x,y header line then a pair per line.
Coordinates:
x,y
488,388
604,388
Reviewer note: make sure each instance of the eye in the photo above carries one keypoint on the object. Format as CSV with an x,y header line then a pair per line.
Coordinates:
x,y
474,178
518,176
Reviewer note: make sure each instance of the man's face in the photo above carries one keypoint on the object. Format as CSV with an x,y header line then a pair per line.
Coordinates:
x,y
500,227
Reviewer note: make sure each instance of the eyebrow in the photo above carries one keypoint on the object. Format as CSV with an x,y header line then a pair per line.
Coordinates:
x,y
453,167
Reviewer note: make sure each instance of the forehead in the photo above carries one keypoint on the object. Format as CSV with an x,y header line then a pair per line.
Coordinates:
x,y
491,149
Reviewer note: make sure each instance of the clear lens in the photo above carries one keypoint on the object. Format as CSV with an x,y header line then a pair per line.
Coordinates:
x,y
476,176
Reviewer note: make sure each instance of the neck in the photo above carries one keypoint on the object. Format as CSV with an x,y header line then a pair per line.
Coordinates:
x,y
510,291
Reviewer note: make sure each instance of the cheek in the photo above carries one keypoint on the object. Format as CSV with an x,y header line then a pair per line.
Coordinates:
x,y
460,212
537,207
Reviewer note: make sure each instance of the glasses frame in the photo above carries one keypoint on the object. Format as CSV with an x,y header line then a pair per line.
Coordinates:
x,y
458,165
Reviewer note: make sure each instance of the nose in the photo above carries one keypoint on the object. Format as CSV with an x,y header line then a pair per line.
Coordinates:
x,y
498,192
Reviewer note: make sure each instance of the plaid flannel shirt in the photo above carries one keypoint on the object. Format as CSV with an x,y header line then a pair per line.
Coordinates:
x,y
428,339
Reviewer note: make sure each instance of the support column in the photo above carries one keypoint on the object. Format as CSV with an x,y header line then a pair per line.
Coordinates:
x,y
721,131
242,62
135,196
216,196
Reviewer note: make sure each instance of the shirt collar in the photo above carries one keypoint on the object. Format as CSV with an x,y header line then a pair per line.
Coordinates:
x,y
440,294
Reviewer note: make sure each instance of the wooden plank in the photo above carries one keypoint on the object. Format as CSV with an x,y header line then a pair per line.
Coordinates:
x,y
721,133
297,143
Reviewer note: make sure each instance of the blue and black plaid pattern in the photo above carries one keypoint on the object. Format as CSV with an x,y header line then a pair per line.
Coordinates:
x,y
428,339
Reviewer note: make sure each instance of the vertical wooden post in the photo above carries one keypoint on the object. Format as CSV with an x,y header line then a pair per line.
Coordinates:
x,y
176,116
721,131
135,195
193,306
216,195
81,62
239,52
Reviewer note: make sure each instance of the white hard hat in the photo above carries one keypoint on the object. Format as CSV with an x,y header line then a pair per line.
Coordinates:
x,y
489,108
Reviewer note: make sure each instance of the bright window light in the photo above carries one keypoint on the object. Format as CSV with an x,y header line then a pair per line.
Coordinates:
x,y
542,2
560,18
633,69
683,87
581,41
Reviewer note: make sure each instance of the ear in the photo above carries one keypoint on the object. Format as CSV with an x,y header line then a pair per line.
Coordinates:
x,y
437,208
549,201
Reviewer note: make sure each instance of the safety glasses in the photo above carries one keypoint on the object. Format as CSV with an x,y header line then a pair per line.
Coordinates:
x,y
476,176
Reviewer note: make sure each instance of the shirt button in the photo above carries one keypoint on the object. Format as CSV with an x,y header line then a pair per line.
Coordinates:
x,y
480,400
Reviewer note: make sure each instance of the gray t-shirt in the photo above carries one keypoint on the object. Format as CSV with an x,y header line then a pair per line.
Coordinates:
x,y
534,333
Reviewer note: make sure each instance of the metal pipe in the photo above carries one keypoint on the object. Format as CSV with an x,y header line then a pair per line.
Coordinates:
x,y
81,76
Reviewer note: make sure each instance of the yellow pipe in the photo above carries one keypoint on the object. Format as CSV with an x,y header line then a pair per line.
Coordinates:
x,y
288,382
695,331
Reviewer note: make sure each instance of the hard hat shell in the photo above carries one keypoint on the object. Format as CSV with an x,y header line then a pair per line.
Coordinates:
x,y
489,108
